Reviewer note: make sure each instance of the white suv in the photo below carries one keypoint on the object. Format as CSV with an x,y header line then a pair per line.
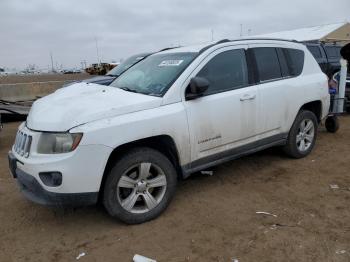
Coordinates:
x,y
176,112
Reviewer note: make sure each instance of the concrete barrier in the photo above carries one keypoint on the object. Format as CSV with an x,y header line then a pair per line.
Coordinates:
x,y
28,91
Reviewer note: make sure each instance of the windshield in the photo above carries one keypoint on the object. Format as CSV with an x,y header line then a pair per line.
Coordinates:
x,y
155,74
125,65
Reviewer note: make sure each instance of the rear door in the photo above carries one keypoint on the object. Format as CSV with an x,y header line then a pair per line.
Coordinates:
x,y
271,91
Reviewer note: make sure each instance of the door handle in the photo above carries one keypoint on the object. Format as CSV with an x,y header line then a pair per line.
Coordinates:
x,y
246,97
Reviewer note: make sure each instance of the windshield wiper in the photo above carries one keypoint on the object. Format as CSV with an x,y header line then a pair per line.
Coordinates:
x,y
116,75
129,89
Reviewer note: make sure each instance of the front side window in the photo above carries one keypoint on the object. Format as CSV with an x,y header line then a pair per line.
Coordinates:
x,y
267,63
226,71
155,74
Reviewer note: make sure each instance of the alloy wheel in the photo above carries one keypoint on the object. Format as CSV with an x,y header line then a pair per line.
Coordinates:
x,y
141,188
306,134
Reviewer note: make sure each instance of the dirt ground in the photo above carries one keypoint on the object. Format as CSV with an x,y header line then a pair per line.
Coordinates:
x,y
212,218
13,79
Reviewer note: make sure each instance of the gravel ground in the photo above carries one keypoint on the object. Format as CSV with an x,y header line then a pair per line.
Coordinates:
x,y
212,218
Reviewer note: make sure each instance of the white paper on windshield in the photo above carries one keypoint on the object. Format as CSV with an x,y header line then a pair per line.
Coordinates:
x,y
171,63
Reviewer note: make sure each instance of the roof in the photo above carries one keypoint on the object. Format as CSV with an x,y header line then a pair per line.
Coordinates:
x,y
307,33
225,42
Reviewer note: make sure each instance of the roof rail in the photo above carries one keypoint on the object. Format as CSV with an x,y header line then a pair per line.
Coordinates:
x,y
168,48
216,43
244,39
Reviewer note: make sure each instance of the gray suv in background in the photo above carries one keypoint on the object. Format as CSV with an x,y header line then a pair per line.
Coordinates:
x,y
328,57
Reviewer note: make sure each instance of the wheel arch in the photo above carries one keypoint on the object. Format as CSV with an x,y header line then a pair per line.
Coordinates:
x,y
162,143
315,107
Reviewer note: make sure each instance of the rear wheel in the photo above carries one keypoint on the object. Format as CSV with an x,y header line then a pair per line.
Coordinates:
x,y
302,135
332,124
140,186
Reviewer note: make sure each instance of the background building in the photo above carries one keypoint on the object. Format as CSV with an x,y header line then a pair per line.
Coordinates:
x,y
339,33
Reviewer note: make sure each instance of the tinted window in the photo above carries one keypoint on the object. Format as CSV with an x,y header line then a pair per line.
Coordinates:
x,y
267,63
295,60
226,71
333,51
315,51
283,62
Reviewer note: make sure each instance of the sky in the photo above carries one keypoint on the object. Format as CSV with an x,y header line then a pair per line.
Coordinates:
x,y
32,29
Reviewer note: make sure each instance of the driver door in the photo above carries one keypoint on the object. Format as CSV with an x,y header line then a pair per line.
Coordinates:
x,y
224,118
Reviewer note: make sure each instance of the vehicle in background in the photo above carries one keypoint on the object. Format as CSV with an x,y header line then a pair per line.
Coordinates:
x,y
327,56
100,69
172,114
115,72
71,71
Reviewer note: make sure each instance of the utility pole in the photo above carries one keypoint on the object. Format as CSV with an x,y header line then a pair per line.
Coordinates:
x,y
97,52
52,68
241,32
249,31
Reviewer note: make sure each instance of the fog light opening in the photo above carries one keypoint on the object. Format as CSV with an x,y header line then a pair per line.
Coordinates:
x,y
51,179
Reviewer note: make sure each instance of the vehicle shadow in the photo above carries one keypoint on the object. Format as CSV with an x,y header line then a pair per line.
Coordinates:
x,y
231,172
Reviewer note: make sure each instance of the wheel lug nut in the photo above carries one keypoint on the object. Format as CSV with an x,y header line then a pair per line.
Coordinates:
x,y
144,192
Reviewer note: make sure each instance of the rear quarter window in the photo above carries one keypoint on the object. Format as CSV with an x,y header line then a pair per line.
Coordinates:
x,y
295,60
333,51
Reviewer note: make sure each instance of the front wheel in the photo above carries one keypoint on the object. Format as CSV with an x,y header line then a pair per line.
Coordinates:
x,y
140,186
302,135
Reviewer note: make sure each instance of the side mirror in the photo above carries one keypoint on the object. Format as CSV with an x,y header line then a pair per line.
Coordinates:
x,y
196,88
345,52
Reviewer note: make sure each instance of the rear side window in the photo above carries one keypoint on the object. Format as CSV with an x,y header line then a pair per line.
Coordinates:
x,y
267,63
295,60
315,51
333,51
226,71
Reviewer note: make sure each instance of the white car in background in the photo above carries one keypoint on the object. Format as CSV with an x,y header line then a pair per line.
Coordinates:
x,y
174,113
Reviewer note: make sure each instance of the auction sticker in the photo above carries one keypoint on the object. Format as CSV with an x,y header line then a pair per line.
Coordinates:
x,y
171,63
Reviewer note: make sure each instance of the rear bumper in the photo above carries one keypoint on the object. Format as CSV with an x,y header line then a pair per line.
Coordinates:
x,y
33,190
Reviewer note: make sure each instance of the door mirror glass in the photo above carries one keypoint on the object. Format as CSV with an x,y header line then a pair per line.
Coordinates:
x,y
196,88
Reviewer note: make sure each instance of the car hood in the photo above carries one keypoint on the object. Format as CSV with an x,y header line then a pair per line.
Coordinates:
x,y
82,103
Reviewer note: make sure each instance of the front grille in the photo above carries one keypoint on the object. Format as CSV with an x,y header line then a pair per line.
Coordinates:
x,y
22,144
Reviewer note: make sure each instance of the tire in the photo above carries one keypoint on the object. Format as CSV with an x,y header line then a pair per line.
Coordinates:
x,y
294,146
141,174
332,124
